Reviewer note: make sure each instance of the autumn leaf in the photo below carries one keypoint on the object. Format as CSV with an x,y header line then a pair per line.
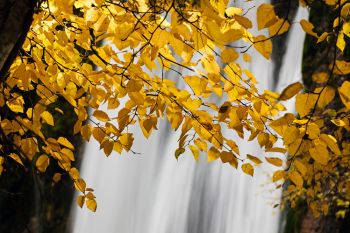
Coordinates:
x,y
278,175
80,200
248,169
305,103
64,142
178,152
263,45
101,115
296,178
308,27
213,154
91,204
265,16
344,93
274,161
290,91
42,163
254,159
48,118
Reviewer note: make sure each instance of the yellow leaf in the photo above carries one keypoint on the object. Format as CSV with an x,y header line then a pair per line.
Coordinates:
x,y
308,27
195,152
107,146
341,42
80,200
281,124
48,118
91,204
319,153
213,154
277,149
246,57
16,158
342,67
210,65
233,11
226,156
265,16
313,130
42,162
248,169
126,140
300,166
254,159
290,91
16,104
245,22
101,116
320,77
234,163
338,122
74,173
263,45
345,93
296,178
278,175
178,152
86,132
80,185
322,37
56,177
305,103
326,96
64,142
229,55
278,28
274,161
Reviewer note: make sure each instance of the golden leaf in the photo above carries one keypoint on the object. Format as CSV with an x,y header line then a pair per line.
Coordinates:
x,y
80,185
305,103
178,152
195,152
319,153
42,163
101,115
213,154
91,204
248,169
279,27
296,178
64,142
48,118
300,166
308,27
80,200
326,96
265,16
254,159
229,55
274,161
16,105
16,158
263,45
245,22
345,94
290,91
278,175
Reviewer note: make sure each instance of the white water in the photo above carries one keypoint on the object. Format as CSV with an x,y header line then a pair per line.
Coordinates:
x,y
153,193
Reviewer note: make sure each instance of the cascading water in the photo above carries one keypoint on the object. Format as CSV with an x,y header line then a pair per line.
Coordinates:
x,y
155,193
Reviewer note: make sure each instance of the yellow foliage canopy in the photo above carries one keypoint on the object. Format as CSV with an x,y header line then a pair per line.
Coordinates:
x,y
106,52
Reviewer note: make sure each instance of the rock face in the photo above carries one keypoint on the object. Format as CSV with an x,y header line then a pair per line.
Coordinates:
x,y
15,20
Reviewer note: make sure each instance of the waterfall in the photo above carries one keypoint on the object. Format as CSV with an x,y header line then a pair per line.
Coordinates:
x,y
155,193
